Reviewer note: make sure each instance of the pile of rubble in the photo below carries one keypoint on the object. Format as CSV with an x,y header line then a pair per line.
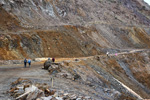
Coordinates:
x,y
59,70
24,89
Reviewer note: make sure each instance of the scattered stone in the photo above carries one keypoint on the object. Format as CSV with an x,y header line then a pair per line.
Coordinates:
x,y
76,76
22,90
45,98
97,58
76,59
78,99
59,98
36,94
73,97
53,69
87,97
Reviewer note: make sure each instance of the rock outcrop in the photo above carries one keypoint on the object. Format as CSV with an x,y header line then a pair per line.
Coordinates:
x,y
44,28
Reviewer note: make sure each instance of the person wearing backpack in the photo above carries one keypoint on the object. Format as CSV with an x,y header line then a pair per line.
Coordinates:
x,y
25,62
29,62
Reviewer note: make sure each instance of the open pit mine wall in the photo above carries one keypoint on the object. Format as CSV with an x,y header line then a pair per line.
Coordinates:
x,y
42,13
71,28
69,41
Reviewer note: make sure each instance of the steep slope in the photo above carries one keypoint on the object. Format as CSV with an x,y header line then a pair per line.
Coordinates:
x,y
122,77
8,21
54,12
94,26
79,28
54,43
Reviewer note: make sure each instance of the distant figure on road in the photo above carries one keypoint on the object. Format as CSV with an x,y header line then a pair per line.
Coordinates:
x,y
29,62
25,62
107,53
53,59
116,54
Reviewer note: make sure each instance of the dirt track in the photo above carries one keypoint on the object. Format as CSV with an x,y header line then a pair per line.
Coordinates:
x,y
10,73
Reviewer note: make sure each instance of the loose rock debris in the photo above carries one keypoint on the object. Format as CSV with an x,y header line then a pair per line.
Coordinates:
x,y
24,89
60,71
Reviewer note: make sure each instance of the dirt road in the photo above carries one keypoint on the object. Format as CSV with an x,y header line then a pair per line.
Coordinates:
x,y
10,73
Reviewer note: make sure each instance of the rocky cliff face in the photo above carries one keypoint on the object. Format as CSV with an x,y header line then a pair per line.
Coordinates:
x,y
77,28
8,22
56,12
92,26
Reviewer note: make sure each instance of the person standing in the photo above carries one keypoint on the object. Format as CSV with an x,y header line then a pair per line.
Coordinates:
x,y
29,62
53,59
25,62
107,53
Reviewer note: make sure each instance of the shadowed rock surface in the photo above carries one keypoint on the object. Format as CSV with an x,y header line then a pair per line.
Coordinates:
x,y
47,64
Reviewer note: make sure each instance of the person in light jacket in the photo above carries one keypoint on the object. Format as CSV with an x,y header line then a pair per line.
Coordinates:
x,y
29,62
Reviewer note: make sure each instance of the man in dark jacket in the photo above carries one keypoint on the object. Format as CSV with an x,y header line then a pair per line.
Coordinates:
x,y
53,59
25,62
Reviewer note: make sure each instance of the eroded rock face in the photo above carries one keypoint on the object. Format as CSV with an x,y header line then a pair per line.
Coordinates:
x,y
18,46
8,22
40,13
115,76
64,28
81,42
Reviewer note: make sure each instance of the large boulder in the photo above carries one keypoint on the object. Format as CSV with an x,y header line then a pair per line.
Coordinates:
x,y
47,64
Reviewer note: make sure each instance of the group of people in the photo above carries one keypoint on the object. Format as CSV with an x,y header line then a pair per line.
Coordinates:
x,y
27,61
